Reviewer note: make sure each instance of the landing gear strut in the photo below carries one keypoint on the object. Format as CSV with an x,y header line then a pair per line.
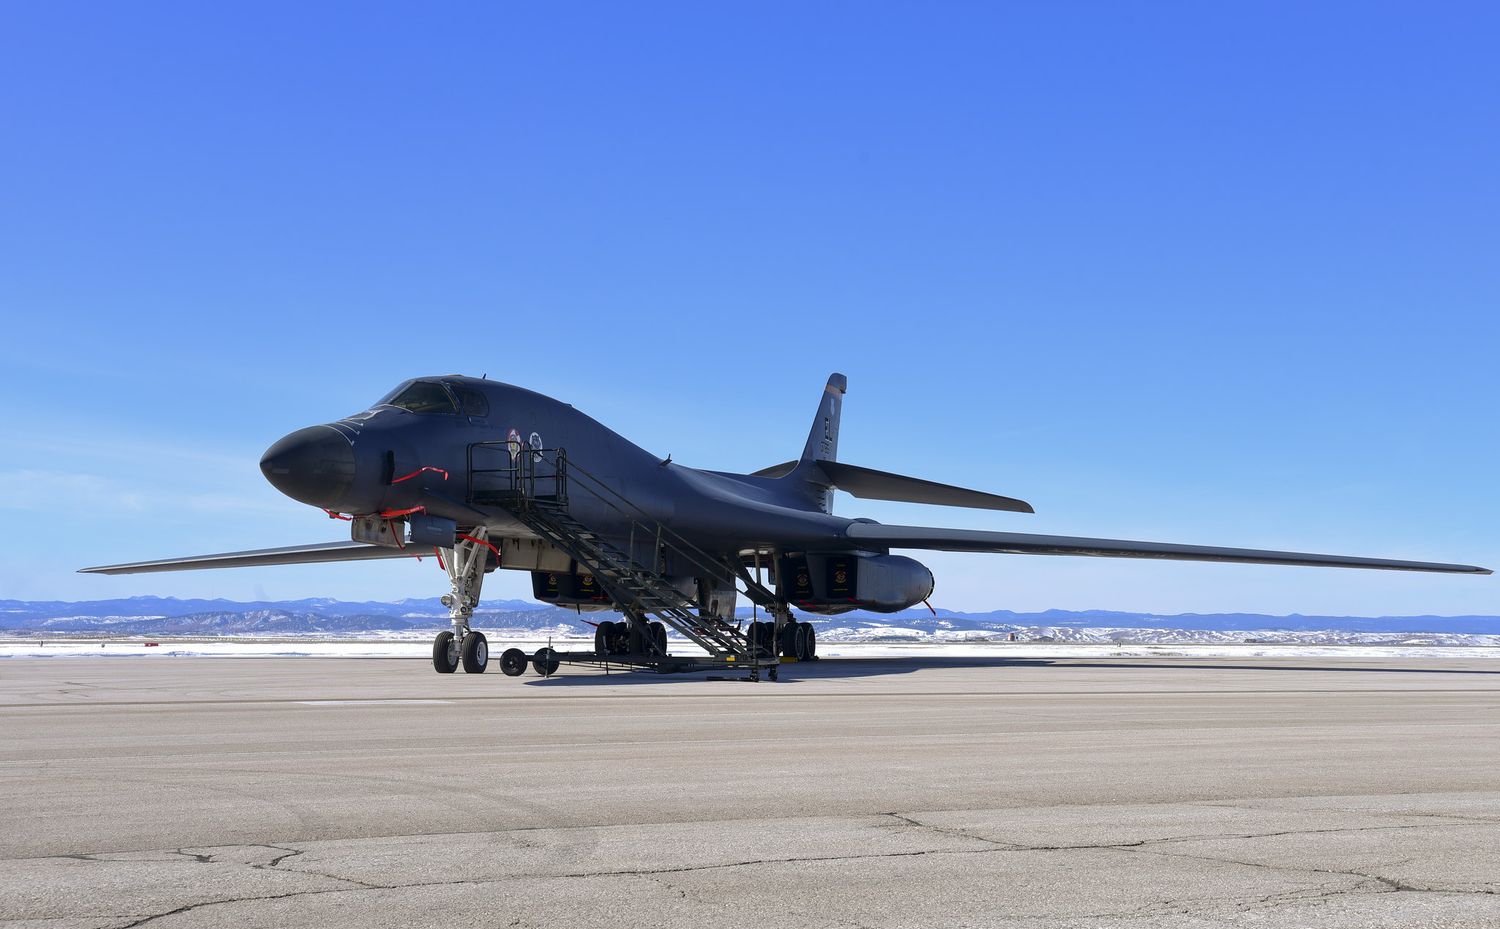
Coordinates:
x,y
465,563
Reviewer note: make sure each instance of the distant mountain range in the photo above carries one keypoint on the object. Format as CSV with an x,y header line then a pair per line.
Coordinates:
x,y
167,616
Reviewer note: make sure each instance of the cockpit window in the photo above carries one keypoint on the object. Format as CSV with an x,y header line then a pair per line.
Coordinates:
x,y
421,397
474,402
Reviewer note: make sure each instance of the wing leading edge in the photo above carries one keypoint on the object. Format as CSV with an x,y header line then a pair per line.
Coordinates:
x,y
296,554
875,535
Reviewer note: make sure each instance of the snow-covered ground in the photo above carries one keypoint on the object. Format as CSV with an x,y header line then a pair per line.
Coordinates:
x,y
422,649
1132,635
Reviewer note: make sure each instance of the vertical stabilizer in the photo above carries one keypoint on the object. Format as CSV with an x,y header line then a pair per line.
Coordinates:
x,y
823,437
822,444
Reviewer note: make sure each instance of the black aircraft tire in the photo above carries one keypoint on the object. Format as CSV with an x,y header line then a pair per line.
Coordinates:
x,y
768,638
601,638
545,662
513,662
443,658
475,652
659,637
789,633
801,646
812,641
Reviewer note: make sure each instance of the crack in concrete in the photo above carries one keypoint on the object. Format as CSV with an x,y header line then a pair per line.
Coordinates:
x,y
1366,878
685,869
1195,837
1322,892
272,865
189,907
290,853
956,833
1364,881
646,873
513,830
1283,898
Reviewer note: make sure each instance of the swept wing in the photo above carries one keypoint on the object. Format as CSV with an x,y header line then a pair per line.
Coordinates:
x,y
876,535
295,554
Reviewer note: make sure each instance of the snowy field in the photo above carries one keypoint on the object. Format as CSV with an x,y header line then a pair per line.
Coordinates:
x,y
422,649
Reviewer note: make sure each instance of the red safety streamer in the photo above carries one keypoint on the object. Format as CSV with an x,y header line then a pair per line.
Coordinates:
x,y
469,538
421,470
392,514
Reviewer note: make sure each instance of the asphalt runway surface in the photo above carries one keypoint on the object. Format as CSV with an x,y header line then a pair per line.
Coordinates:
x,y
873,793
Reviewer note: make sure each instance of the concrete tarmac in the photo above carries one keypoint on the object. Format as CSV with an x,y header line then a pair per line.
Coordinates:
x,y
880,793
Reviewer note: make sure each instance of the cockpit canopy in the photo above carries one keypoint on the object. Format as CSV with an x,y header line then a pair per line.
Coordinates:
x,y
435,396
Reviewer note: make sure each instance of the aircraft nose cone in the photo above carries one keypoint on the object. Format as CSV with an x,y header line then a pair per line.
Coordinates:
x,y
313,465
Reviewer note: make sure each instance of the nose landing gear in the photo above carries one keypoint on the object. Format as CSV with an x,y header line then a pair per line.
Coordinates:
x,y
465,563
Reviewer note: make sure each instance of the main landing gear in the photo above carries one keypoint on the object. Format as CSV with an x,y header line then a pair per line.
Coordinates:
x,y
465,565
796,640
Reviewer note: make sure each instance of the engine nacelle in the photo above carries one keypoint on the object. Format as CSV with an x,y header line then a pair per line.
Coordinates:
x,y
840,582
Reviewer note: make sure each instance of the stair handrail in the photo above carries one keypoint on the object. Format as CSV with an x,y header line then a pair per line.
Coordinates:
x,y
564,467
709,631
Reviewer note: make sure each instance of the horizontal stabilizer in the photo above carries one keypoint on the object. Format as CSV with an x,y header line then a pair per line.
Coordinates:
x,y
882,485
875,535
296,554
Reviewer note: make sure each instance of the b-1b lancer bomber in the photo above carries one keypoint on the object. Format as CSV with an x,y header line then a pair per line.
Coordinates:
x,y
480,475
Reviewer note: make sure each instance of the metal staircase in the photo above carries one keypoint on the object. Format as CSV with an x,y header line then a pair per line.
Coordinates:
x,y
535,486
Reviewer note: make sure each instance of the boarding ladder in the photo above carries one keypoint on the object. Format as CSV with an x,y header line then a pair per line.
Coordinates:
x,y
535,485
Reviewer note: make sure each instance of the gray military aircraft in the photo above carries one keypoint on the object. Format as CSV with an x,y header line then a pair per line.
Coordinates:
x,y
481,475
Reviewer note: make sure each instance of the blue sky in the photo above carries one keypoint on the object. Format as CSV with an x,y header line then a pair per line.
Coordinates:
x,y
1210,273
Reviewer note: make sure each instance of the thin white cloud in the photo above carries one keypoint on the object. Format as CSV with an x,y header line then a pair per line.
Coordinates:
x,y
126,452
88,495
61,492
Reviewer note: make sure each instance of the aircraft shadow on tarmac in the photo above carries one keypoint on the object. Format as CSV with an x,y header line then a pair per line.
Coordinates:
x,y
846,668
827,669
